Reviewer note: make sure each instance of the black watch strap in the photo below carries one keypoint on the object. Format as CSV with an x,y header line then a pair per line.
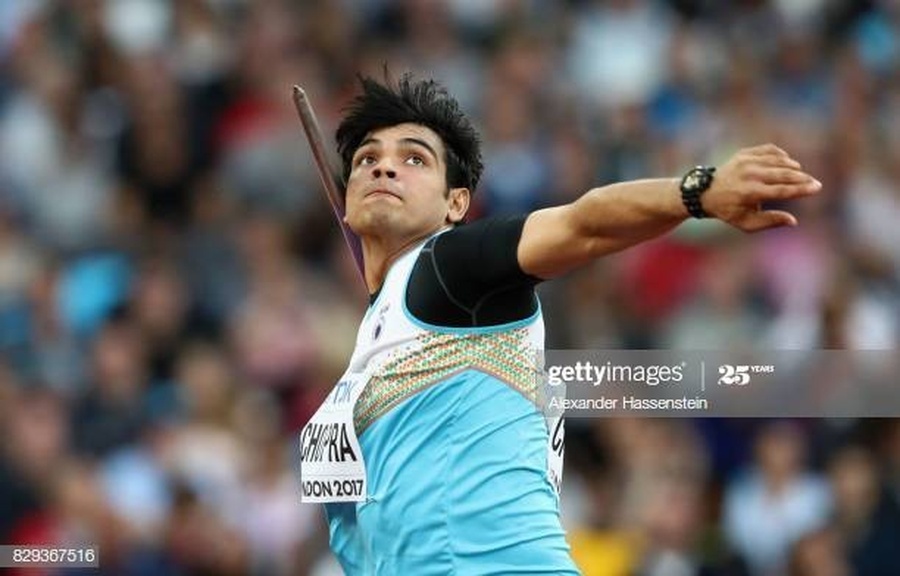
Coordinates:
x,y
693,185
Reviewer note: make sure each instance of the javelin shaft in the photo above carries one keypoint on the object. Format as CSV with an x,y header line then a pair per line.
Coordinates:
x,y
328,176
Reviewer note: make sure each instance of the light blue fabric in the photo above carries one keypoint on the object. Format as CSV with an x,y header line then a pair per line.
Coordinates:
x,y
90,288
457,478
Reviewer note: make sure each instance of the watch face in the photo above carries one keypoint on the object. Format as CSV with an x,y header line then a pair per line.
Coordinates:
x,y
692,180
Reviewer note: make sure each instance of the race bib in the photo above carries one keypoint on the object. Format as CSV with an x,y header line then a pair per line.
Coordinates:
x,y
331,462
556,448
556,428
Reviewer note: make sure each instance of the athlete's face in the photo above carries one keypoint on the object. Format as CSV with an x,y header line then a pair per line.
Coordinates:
x,y
398,185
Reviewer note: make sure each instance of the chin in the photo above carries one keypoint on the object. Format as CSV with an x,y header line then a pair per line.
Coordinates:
x,y
373,222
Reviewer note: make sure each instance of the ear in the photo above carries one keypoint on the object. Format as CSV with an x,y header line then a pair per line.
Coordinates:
x,y
458,204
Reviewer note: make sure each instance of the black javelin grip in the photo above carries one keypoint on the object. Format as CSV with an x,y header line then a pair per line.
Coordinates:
x,y
329,179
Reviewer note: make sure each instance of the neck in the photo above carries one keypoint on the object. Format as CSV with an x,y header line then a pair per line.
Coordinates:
x,y
379,254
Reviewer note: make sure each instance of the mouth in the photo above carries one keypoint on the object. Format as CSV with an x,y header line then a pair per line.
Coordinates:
x,y
382,192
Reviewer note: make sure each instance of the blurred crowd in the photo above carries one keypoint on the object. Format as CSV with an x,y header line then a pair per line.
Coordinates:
x,y
175,298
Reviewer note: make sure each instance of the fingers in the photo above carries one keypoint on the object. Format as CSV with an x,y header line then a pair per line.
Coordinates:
x,y
766,150
769,154
756,221
770,175
782,186
775,161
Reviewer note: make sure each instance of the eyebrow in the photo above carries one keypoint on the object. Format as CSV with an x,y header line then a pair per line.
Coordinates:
x,y
408,140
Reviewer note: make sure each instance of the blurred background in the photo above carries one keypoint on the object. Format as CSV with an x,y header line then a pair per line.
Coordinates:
x,y
175,298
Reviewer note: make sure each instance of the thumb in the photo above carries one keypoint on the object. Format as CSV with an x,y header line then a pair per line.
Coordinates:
x,y
757,221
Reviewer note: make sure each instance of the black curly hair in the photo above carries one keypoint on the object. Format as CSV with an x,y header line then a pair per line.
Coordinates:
x,y
424,102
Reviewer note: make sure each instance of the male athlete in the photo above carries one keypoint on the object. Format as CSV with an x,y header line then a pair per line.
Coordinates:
x,y
430,454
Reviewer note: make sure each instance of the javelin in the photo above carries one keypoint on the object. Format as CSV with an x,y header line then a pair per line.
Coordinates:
x,y
329,179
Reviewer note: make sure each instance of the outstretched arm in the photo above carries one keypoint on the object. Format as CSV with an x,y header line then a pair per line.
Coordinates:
x,y
612,218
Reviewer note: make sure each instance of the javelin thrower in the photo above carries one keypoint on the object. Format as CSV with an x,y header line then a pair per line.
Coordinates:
x,y
430,454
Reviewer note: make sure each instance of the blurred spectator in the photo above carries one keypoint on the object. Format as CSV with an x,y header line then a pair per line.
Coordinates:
x,y
618,50
275,524
273,330
591,505
204,451
112,412
35,433
818,554
161,308
724,315
891,452
57,174
775,502
20,266
516,167
866,518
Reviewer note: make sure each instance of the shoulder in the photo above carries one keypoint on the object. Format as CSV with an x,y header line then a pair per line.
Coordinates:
x,y
484,229
483,252
470,276
483,245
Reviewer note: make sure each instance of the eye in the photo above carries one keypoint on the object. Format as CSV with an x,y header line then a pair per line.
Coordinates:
x,y
415,160
365,160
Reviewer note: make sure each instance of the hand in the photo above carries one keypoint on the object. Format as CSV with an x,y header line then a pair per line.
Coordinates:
x,y
752,176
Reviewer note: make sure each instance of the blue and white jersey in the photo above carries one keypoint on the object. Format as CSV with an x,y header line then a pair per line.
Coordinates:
x,y
454,448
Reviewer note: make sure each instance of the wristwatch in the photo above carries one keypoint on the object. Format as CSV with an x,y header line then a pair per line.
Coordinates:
x,y
693,185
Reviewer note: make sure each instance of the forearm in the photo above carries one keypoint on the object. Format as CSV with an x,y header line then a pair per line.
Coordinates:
x,y
602,221
620,215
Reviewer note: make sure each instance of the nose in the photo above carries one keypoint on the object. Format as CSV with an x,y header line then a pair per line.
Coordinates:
x,y
384,167
389,172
